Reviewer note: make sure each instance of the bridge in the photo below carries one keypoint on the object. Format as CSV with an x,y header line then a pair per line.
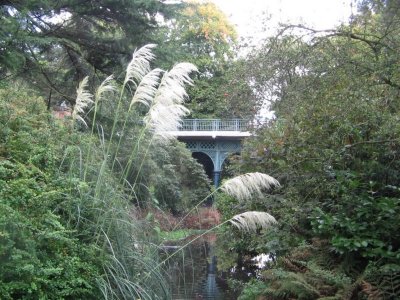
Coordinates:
x,y
212,140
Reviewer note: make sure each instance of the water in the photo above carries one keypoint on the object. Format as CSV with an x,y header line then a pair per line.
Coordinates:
x,y
194,275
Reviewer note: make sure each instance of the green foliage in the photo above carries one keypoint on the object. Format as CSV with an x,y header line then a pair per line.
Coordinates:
x,y
364,226
179,234
289,284
179,180
334,147
52,45
66,228
302,274
226,94
382,282
226,205
41,255
252,290
201,34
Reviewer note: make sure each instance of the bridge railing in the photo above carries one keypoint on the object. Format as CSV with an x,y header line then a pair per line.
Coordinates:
x,y
214,125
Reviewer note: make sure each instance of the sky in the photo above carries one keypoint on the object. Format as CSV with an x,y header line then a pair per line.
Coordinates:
x,y
247,15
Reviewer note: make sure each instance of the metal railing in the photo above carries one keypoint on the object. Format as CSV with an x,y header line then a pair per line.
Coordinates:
x,y
214,125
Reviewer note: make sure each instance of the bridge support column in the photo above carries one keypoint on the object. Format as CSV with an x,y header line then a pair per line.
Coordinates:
x,y
216,150
216,178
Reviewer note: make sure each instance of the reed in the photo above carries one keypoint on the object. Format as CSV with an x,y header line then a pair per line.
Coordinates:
x,y
158,97
243,187
103,211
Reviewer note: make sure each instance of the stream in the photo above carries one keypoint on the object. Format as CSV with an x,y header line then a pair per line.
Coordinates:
x,y
194,273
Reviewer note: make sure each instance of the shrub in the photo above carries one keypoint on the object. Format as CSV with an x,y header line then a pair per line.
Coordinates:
x,y
41,255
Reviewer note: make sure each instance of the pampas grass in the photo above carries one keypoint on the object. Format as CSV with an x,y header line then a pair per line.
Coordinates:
x,y
250,221
139,66
167,109
161,95
107,86
147,88
242,187
83,99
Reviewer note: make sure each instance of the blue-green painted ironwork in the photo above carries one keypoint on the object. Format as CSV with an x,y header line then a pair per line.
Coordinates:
x,y
214,125
216,149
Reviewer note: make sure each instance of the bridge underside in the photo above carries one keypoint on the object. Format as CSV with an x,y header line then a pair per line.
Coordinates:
x,y
216,149
213,138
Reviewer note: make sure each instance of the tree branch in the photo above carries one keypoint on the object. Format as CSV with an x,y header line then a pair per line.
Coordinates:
x,y
51,84
370,142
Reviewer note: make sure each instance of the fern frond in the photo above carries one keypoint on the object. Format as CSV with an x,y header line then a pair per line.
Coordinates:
x,y
372,292
385,280
288,285
294,265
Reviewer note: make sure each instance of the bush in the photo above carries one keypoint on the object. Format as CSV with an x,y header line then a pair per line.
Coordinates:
x,y
40,255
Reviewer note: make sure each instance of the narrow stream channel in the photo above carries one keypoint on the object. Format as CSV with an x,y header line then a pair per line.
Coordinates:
x,y
194,273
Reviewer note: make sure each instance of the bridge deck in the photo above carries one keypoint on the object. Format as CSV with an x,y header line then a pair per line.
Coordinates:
x,y
214,138
213,128
232,135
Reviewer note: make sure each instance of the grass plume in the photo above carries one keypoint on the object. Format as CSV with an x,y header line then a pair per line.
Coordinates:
x,y
139,66
147,88
250,221
107,86
167,108
242,187
83,99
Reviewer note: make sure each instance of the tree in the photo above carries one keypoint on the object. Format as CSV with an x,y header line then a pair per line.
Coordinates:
x,y
334,146
53,45
201,34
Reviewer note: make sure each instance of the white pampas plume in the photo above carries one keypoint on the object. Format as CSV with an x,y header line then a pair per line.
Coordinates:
x,y
252,220
147,88
139,66
172,87
167,109
244,186
83,99
107,86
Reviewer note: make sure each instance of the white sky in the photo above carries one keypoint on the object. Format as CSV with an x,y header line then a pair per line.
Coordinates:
x,y
247,15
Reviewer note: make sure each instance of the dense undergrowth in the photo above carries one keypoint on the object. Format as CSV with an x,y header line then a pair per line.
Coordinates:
x,y
57,239
70,193
42,252
334,146
83,200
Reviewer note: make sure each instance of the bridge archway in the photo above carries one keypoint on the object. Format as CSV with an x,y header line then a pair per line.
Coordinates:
x,y
215,139
205,160
216,150
226,171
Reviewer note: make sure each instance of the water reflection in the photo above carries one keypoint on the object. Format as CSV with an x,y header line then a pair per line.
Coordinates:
x,y
194,274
